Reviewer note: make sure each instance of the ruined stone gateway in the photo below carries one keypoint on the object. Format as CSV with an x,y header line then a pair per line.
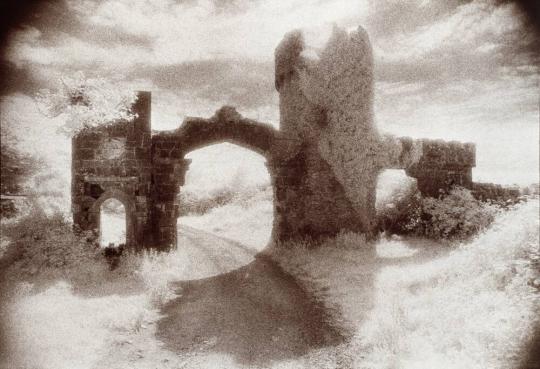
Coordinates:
x,y
323,161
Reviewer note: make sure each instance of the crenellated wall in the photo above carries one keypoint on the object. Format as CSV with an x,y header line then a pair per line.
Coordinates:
x,y
437,165
323,162
490,191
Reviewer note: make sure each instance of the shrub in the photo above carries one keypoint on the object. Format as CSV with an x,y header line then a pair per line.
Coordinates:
x,y
396,214
458,215
43,247
193,204
86,102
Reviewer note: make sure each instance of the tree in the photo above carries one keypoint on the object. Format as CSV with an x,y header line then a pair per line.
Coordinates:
x,y
15,167
86,102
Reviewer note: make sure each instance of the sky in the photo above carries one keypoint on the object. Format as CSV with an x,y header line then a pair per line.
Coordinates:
x,y
455,70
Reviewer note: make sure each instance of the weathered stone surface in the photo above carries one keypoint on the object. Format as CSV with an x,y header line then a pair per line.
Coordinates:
x,y
104,166
323,162
490,191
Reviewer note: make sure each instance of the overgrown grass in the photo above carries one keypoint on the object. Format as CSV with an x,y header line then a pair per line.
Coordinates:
x,y
246,219
409,307
63,307
406,302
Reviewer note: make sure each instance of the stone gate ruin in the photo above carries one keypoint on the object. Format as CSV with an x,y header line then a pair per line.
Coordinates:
x,y
323,161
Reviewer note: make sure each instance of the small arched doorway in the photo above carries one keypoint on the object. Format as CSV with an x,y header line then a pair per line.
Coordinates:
x,y
112,223
395,191
119,221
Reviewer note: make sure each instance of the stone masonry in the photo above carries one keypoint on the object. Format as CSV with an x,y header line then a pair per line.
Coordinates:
x,y
323,161
115,161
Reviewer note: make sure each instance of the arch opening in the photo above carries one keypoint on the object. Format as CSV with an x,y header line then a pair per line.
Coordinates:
x,y
228,194
394,192
112,223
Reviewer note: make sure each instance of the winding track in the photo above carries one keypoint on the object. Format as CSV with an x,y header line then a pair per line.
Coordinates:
x,y
240,305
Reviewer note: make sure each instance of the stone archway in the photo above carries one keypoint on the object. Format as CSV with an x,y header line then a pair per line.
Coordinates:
x,y
170,165
323,160
129,206
308,199
228,193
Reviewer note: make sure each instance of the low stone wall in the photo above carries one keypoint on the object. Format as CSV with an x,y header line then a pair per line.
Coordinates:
x,y
442,166
323,162
490,191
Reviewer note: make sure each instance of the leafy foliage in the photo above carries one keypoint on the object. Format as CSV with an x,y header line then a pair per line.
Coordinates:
x,y
15,166
44,247
410,307
403,205
192,203
86,102
458,215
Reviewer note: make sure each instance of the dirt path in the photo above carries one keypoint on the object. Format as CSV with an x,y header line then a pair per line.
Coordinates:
x,y
246,307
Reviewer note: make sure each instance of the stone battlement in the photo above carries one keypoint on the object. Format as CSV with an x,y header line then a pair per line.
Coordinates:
x,y
446,154
323,161
441,165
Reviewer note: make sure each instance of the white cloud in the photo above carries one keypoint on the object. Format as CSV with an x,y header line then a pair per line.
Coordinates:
x,y
184,32
471,26
500,117
446,80
178,32
28,49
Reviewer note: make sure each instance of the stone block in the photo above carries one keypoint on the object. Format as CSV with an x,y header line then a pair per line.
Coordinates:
x,y
323,162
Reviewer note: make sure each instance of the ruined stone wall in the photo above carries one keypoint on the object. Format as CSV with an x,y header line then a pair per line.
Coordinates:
x,y
169,168
114,161
437,165
490,191
442,166
328,103
324,161
308,200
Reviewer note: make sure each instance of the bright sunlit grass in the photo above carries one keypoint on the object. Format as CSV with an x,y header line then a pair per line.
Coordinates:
x,y
406,303
416,304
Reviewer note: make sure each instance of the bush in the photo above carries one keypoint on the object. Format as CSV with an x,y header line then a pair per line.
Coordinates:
x,y
395,215
194,204
44,247
43,250
191,204
458,215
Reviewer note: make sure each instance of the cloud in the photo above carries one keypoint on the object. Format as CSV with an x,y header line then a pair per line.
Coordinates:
x,y
451,69
500,116
394,17
189,31
474,41
28,48
245,84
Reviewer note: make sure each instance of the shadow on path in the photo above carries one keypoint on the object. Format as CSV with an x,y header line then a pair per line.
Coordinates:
x,y
257,314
